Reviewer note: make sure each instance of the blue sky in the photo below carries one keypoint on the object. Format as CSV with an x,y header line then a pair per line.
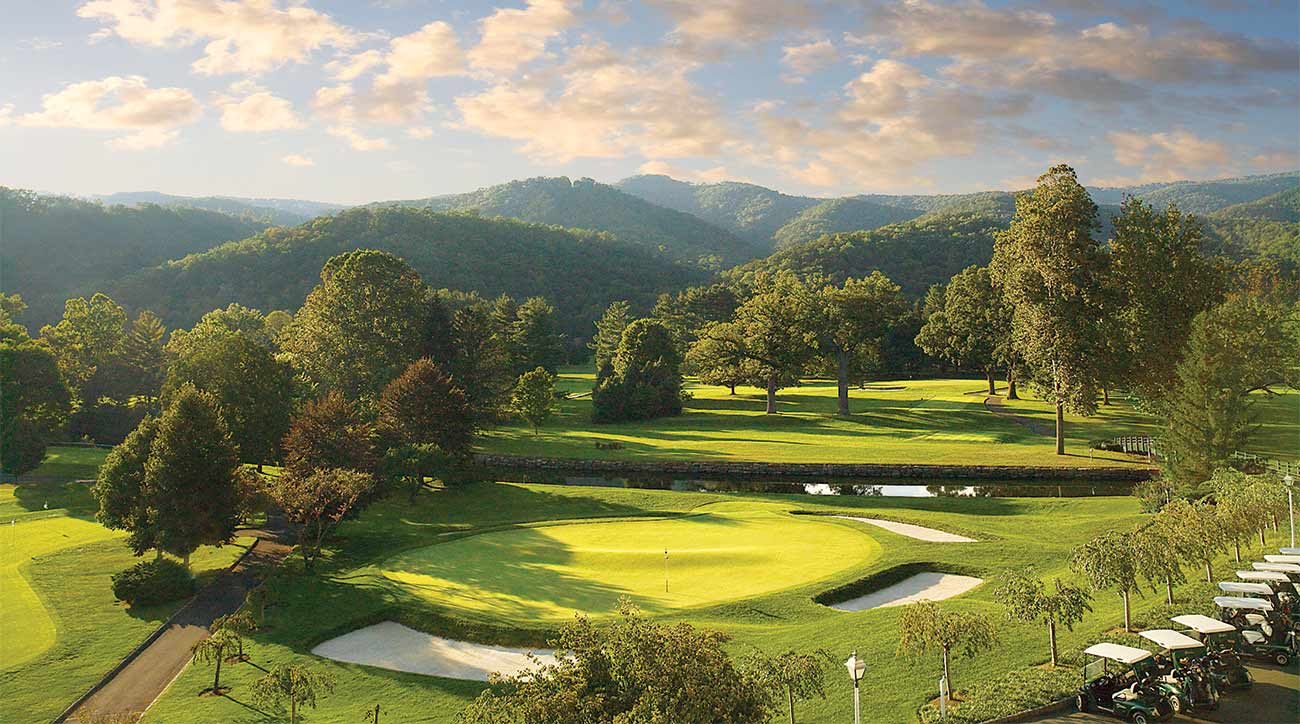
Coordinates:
x,y
356,100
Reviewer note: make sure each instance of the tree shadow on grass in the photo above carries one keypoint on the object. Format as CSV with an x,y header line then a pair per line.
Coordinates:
x,y
72,498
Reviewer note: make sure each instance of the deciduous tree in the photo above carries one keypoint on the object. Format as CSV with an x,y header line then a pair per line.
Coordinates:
x,y
35,400
534,397
294,684
215,649
316,502
1156,556
1108,562
644,380
924,627
973,327
120,488
425,416
329,433
852,318
1026,599
1197,533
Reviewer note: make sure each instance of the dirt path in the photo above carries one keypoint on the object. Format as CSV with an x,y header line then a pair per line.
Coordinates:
x,y
133,689
994,405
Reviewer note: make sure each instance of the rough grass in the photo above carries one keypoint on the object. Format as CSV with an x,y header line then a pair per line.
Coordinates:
x,y
926,421
344,594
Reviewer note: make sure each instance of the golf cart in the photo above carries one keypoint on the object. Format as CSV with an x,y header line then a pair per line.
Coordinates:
x,y
1290,570
1284,591
1262,635
1221,656
1182,668
1289,551
1284,558
1121,681
1278,616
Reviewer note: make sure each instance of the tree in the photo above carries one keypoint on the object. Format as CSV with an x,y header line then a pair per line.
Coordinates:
x,y
798,675
631,670
329,433
190,476
1156,557
316,502
924,627
120,488
1162,282
535,339
645,378
609,332
481,361
215,649
1197,533
852,318
973,326
718,360
1026,599
240,623
534,397
88,341
1049,268
361,326
425,414
35,400
222,323
254,389
145,355
1108,562
296,684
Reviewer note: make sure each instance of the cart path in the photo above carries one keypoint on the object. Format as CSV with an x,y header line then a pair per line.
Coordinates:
x,y
134,688
995,405
1274,699
912,530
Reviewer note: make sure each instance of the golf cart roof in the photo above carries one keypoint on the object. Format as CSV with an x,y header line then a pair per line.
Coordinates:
x,y
1170,639
1290,551
1279,567
1289,558
1203,624
1251,604
1118,652
1263,576
1244,587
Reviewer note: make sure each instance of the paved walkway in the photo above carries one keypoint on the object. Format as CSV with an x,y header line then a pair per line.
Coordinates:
x,y
135,687
1274,699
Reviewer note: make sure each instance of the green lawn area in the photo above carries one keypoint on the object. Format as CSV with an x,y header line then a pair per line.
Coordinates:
x,y
69,462
533,551
906,421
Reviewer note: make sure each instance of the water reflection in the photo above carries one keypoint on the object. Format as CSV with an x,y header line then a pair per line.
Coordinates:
x,y
856,487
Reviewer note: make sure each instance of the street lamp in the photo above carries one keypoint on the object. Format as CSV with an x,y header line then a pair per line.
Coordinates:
x,y
1289,482
857,667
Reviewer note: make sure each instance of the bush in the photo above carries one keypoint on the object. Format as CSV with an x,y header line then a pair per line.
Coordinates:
x,y
1012,693
149,583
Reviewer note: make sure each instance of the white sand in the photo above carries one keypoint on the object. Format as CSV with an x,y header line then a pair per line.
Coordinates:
x,y
919,532
390,645
921,587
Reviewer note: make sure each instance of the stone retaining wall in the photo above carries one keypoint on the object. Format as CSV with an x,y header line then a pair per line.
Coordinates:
x,y
721,468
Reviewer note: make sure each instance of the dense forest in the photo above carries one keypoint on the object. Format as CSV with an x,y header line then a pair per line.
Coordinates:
x,y
585,204
749,211
581,272
53,248
837,215
275,212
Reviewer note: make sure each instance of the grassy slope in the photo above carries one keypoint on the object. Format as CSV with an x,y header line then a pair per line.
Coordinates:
x,y
1012,532
60,628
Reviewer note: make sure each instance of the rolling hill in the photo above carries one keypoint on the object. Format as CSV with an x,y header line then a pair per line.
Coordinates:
x,y
275,212
746,210
836,215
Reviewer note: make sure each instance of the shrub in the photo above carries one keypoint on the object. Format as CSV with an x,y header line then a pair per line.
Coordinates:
x,y
149,583
1009,694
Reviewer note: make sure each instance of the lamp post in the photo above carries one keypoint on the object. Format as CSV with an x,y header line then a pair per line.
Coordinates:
x,y
1289,482
857,667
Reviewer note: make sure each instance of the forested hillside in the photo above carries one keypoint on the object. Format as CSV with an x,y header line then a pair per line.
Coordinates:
x,y
580,272
276,212
749,211
1267,227
835,215
1203,197
52,248
585,204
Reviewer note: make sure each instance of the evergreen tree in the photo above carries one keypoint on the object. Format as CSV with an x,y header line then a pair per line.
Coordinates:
x,y
609,332
481,362
425,419
120,488
645,381
145,354
535,337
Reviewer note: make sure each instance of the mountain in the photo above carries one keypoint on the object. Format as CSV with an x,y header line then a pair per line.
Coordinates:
x,y
1268,227
585,204
276,212
746,210
1281,206
836,215
53,247
1203,197
580,272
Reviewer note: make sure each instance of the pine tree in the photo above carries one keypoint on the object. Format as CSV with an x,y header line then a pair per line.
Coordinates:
x,y
609,332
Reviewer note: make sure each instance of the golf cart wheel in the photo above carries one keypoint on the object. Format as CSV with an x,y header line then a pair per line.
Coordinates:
x,y
1175,703
1140,717
1281,658
1081,702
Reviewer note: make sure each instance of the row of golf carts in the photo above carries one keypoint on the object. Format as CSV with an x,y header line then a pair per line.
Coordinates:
x,y
1258,620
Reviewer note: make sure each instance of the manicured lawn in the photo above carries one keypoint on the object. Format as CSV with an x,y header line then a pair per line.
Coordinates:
x,y
69,462
484,535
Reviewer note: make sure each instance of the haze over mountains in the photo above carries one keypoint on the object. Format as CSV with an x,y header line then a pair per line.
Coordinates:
x,y
580,243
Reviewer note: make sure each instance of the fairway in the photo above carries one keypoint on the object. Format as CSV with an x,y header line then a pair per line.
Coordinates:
x,y
548,573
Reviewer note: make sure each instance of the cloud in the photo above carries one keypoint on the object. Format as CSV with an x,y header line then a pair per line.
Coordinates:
x,y
354,66
420,132
120,104
709,28
243,36
385,101
809,57
600,104
294,159
256,112
429,52
357,140
514,37
708,175
6,114
1276,159
1166,156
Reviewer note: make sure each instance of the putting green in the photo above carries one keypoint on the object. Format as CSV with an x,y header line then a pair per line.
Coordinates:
x,y
548,573
26,629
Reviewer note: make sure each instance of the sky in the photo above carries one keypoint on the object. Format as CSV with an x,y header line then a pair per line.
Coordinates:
x,y
361,100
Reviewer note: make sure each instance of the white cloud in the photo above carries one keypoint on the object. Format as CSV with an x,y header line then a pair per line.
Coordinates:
x,y
6,114
429,52
809,57
354,66
1270,159
243,36
385,101
294,159
1167,156
708,175
121,104
707,28
257,112
420,132
514,37
357,140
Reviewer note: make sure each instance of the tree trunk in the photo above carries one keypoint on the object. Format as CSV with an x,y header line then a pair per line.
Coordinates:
x,y
186,560
1209,575
771,395
216,678
1060,428
843,381
988,375
947,674
1105,396
1127,627
1169,590
419,481
732,387
1011,384
789,700
1261,537
1236,549
1051,639
293,707
259,468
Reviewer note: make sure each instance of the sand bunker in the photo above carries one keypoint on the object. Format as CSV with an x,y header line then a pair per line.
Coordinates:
x,y
921,587
919,532
390,645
